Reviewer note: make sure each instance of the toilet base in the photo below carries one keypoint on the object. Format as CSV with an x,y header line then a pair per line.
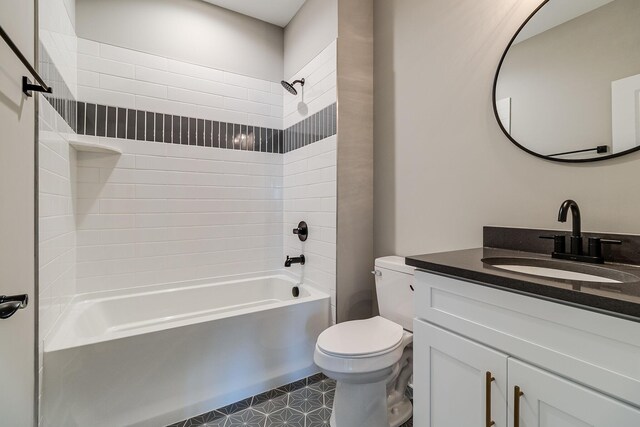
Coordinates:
x,y
360,405
370,402
400,412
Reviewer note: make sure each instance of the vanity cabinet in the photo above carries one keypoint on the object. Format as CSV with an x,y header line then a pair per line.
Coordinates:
x,y
474,344
548,400
456,380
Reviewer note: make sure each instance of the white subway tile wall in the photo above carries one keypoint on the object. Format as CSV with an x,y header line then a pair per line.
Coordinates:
x,y
310,174
167,213
170,212
126,78
57,63
58,36
161,213
56,219
319,89
309,192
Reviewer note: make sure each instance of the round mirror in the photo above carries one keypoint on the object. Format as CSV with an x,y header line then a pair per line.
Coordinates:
x,y
568,85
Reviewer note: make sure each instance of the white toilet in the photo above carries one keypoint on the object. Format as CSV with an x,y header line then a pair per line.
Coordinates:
x,y
372,360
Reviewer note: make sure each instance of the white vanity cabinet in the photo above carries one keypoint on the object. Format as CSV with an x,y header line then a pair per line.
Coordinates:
x,y
473,345
548,400
455,379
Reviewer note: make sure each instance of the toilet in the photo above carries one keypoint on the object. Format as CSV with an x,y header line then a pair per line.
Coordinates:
x,y
372,360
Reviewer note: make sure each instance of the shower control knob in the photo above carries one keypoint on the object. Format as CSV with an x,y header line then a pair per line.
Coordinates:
x,y
302,231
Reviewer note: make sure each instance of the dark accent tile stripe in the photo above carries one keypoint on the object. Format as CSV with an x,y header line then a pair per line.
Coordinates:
x,y
90,119
200,133
223,135
184,130
312,129
101,120
140,125
207,133
109,121
177,132
235,137
229,136
168,127
62,100
215,138
241,137
131,124
192,131
159,127
81,118
251,140
122,123
150,128
112,121
263,140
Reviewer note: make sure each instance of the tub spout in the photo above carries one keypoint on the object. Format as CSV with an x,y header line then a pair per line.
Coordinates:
x,y
295,260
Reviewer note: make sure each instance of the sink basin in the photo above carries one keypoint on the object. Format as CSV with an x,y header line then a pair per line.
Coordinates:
x,y
561,270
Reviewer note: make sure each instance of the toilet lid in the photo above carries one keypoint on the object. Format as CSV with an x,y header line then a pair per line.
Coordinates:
x,y
360,337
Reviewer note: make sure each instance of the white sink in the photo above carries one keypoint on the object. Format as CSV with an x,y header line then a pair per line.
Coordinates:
x,y
561,270
555,273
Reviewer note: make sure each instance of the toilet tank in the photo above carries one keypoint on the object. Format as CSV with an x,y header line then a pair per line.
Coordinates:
x,y
394,281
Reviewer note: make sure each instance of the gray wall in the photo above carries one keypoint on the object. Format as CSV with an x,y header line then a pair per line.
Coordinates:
x,y
17,250
355,284
187,30
309,32
443,168
560,80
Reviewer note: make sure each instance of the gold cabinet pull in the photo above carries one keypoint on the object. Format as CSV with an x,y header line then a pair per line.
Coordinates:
x,y
517,393
489,379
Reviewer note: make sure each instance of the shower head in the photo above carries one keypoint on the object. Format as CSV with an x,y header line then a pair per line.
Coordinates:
x,y
290,86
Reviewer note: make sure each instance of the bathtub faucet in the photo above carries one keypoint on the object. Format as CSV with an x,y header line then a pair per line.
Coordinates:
x,y
295,260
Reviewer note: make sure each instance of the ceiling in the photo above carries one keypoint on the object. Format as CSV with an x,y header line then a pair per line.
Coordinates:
x,y
277,12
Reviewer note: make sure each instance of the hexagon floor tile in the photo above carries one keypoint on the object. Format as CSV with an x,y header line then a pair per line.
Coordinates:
x,y
303,403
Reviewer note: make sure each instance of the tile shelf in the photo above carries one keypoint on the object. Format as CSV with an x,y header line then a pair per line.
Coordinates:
x,y
94,147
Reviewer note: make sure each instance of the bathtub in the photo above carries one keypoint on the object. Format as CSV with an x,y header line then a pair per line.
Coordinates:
x,y
156,355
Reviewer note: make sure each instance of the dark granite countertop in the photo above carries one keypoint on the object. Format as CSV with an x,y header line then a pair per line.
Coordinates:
x,y
617,299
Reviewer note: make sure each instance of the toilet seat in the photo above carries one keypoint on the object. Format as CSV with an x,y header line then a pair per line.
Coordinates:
x,y
361,338
361,346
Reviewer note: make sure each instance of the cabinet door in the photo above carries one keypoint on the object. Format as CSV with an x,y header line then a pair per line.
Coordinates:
x,y
550,401
451,388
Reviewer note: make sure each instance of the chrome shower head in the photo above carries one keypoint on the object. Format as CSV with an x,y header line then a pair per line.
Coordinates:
x,y
290,86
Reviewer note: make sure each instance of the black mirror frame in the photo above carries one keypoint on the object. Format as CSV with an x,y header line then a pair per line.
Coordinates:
x,y
495,107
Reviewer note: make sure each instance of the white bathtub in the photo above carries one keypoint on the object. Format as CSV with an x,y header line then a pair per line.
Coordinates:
x,y
166,353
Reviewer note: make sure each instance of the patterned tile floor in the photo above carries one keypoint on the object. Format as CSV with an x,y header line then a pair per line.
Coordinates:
x,y
304,403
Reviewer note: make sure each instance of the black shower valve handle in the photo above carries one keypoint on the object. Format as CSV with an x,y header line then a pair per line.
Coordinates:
x,y
302,231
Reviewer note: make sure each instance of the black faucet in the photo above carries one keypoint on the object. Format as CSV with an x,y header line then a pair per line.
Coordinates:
x,y
576,252
576,234
295,260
